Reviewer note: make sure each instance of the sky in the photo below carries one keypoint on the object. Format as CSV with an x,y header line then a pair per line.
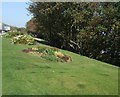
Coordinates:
x,y
15,13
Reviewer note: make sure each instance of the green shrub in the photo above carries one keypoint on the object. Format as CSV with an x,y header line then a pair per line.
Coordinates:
x,y
23,39
48,51
12,34
7,35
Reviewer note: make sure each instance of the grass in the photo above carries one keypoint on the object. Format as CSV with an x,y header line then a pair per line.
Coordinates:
x,y
24,74
0,66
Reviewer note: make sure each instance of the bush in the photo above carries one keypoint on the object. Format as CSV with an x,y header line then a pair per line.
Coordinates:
x,y
63,57
23,39
59,54
7,35
48,51
12,34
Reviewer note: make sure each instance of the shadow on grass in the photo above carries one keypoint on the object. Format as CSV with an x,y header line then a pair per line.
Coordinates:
x,y
44,42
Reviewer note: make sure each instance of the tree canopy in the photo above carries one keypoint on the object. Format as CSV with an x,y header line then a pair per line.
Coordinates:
x,y
89,29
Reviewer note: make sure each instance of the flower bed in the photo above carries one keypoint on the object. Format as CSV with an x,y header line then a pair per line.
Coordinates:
x,y
12,34
51,54
23,39
20,38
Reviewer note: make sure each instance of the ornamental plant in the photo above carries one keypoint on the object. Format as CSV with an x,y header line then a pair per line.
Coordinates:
x,y
48,53
12,34
23,39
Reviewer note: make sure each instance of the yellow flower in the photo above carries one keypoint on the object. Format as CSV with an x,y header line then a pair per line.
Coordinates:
x,y
59,54
34,48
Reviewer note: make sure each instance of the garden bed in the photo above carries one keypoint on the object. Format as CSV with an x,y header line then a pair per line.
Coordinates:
x,y
51,54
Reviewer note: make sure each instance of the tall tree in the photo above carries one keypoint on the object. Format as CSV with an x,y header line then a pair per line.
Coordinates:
x,y
90,29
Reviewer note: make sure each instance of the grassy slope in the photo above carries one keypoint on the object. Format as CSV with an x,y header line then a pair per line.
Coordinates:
x,y
28,75
0,67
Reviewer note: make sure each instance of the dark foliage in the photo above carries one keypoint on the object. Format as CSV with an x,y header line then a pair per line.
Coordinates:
x,y
89,29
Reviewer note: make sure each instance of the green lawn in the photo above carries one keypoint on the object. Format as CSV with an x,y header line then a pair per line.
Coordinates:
x,y
0,66
25,74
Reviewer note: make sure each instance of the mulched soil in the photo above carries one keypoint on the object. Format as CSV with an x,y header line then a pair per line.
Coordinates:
x,y
27,50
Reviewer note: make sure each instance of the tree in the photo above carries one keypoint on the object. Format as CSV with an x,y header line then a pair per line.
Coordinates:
x,y
32,27
90,29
